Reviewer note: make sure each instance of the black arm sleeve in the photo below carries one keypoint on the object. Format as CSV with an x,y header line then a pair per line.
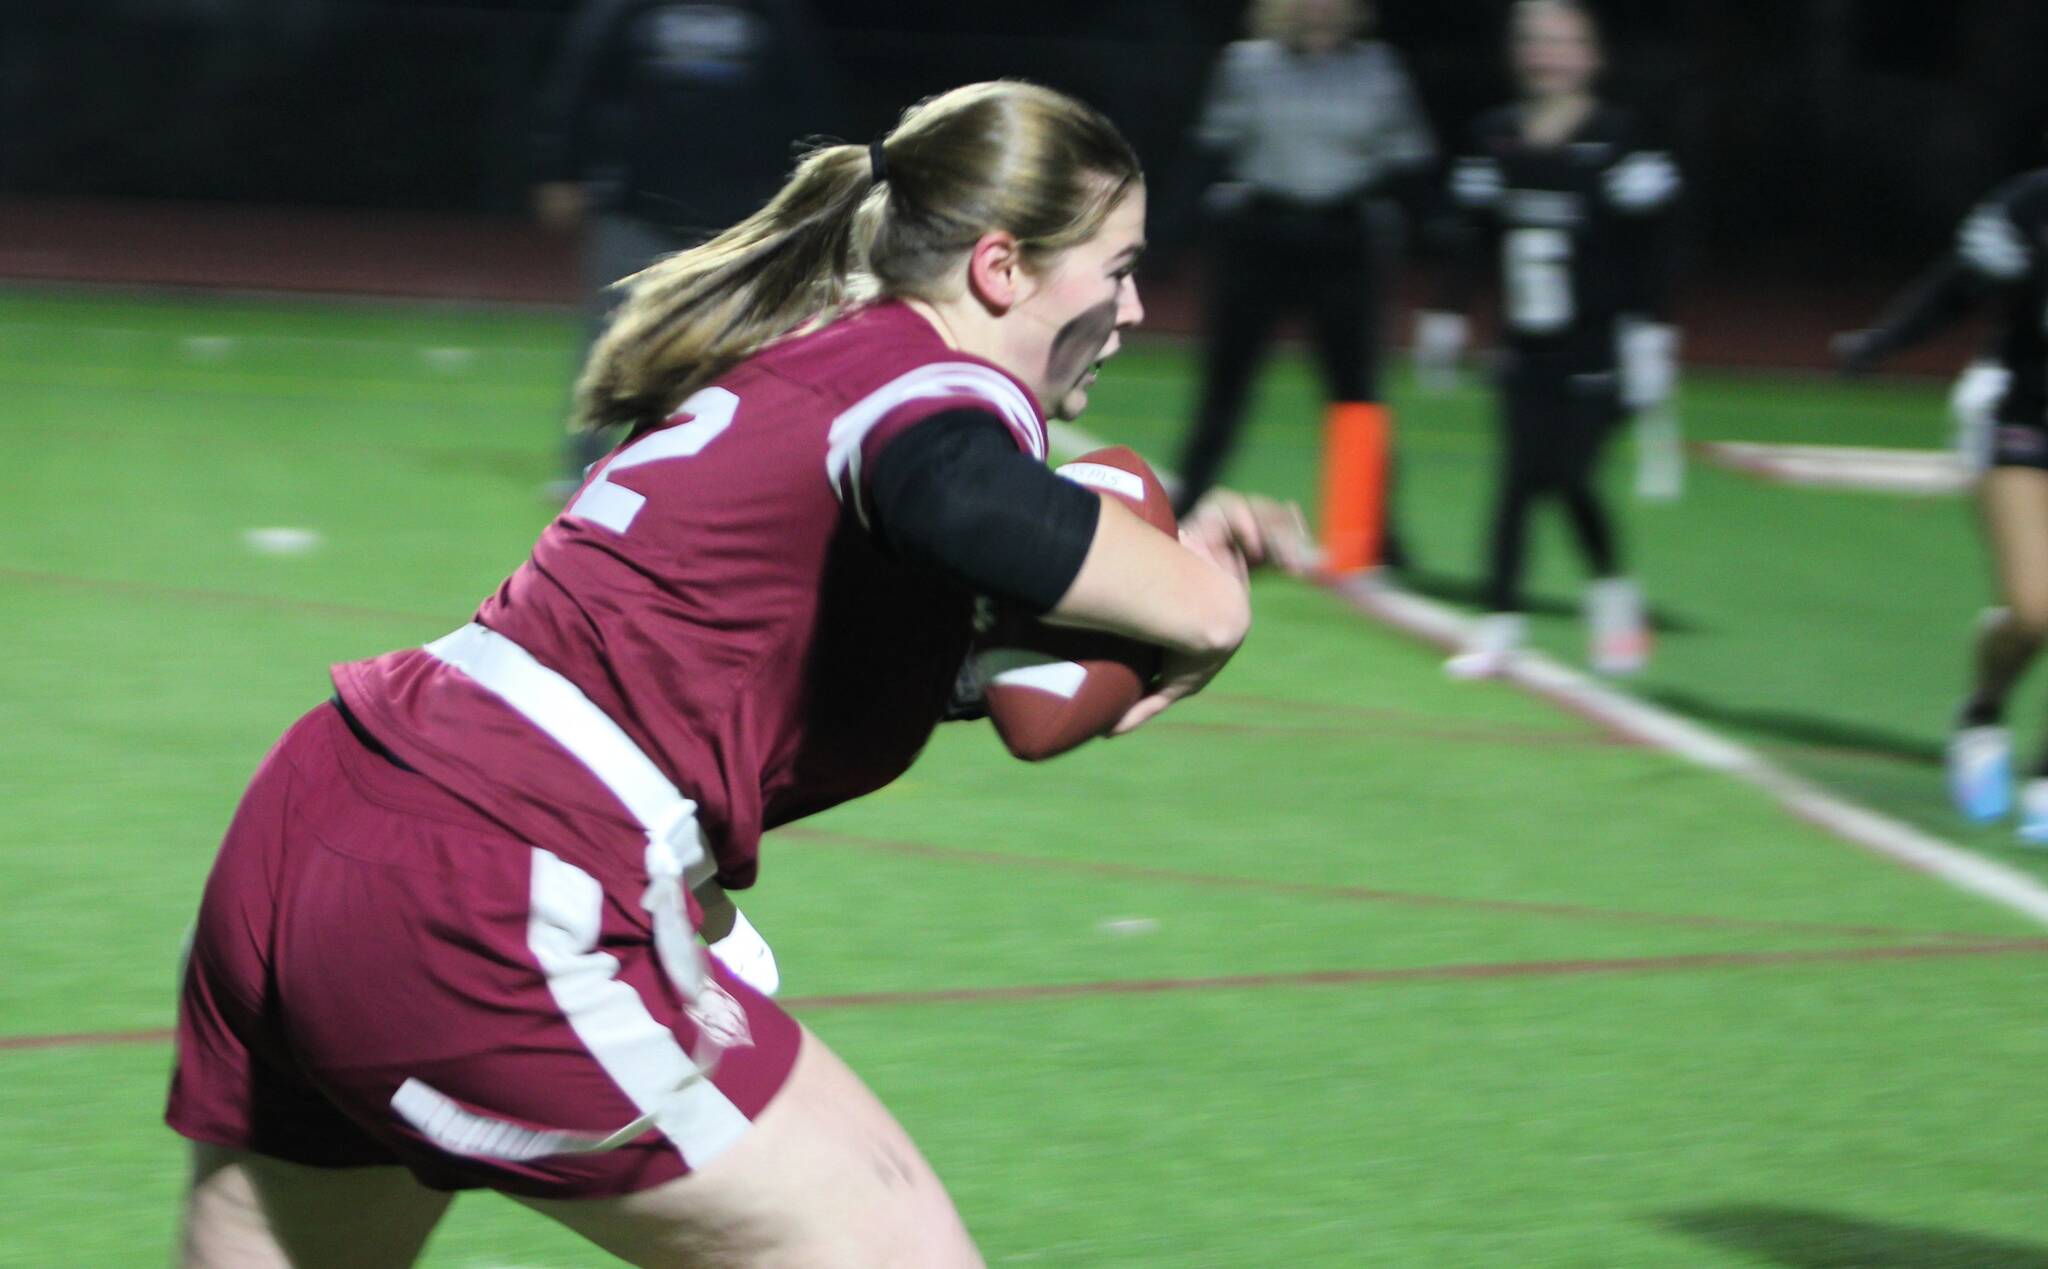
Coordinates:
x,y
1648,248
572,81
1938,298
953,493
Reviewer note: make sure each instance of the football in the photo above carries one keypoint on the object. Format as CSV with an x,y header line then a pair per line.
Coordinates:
x,y
1050,689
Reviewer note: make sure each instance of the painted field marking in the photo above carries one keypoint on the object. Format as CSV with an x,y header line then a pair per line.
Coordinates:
x,y
216,598
199,380
1482,970
1341,893
1128,926
208,347
449,361
1917,472
282,540
1627,716
1624,715
1695,962
258,339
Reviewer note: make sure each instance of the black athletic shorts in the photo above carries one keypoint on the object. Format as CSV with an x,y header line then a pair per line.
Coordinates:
x,y
1556,415
2019,445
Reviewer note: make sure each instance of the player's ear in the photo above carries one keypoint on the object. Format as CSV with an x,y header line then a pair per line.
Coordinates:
x,y
995,270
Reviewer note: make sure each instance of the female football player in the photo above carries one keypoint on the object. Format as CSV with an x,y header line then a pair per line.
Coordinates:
x,y
447,943
1997,256
1574,207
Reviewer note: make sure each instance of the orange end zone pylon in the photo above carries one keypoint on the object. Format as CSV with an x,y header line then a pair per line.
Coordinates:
x,y
1356,441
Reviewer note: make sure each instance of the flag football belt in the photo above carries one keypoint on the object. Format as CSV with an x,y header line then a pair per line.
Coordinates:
x,y
674,857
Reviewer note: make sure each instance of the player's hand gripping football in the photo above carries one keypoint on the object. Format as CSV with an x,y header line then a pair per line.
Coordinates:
x,y
1855,352
1234,533
1260,530
1182,674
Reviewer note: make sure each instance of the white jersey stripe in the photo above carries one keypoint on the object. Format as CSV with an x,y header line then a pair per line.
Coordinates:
x,y
1642,181
1991,244
1476,182
568,717
939,379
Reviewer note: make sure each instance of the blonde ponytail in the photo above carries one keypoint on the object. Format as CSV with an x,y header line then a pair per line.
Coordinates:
x,y
1003,155
688,318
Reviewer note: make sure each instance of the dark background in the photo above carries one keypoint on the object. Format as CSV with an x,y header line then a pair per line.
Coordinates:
x,y
1824,138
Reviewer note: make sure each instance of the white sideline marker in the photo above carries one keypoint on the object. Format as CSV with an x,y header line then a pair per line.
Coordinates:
x,y
282,540
208,347
1911,472
448,361
1661,729
1127,926
1646,724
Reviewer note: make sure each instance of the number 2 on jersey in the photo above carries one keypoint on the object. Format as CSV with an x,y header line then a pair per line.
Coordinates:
x,y
1538,265
711,411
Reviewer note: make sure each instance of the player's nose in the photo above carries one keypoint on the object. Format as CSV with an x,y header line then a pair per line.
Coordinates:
x,y
1130,310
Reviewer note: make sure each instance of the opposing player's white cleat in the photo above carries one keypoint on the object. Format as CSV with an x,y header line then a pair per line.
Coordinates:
x,y
2034,813
748,956
1617,631
1980,773
1490,647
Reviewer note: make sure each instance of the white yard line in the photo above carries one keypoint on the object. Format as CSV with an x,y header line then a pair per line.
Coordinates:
x,y
1854,467
1646,724
221,344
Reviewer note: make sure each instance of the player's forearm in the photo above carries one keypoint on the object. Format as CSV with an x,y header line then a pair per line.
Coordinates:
x,y
1138,582
1936,300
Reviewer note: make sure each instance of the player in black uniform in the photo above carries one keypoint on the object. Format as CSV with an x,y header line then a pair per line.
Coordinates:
x,y
1577,212
1998,256
660,123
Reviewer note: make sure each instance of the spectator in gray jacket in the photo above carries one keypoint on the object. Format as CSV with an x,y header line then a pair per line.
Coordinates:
x,y
663,123
1313,127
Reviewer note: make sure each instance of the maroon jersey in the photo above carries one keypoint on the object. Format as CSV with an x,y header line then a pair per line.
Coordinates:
x,y
715,591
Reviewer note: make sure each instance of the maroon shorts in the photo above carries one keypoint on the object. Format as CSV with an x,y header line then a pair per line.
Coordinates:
x,y
382,976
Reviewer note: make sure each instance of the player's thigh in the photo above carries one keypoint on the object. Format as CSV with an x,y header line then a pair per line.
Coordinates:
x,y
1343,296
1534,412
825,1176
2015,508
1592,414
246,1211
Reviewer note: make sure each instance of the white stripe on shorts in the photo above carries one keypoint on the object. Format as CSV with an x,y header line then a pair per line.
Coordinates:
x,y
640,1055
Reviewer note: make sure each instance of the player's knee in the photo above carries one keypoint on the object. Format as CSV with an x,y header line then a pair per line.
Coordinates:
x,y
2023,619
2027,622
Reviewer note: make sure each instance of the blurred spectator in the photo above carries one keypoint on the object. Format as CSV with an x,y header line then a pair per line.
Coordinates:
x,y
1312,127
1576,211
663,123
2002,409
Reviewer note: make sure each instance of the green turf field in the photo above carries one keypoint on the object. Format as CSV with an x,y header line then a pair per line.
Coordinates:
x,y
1343,964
